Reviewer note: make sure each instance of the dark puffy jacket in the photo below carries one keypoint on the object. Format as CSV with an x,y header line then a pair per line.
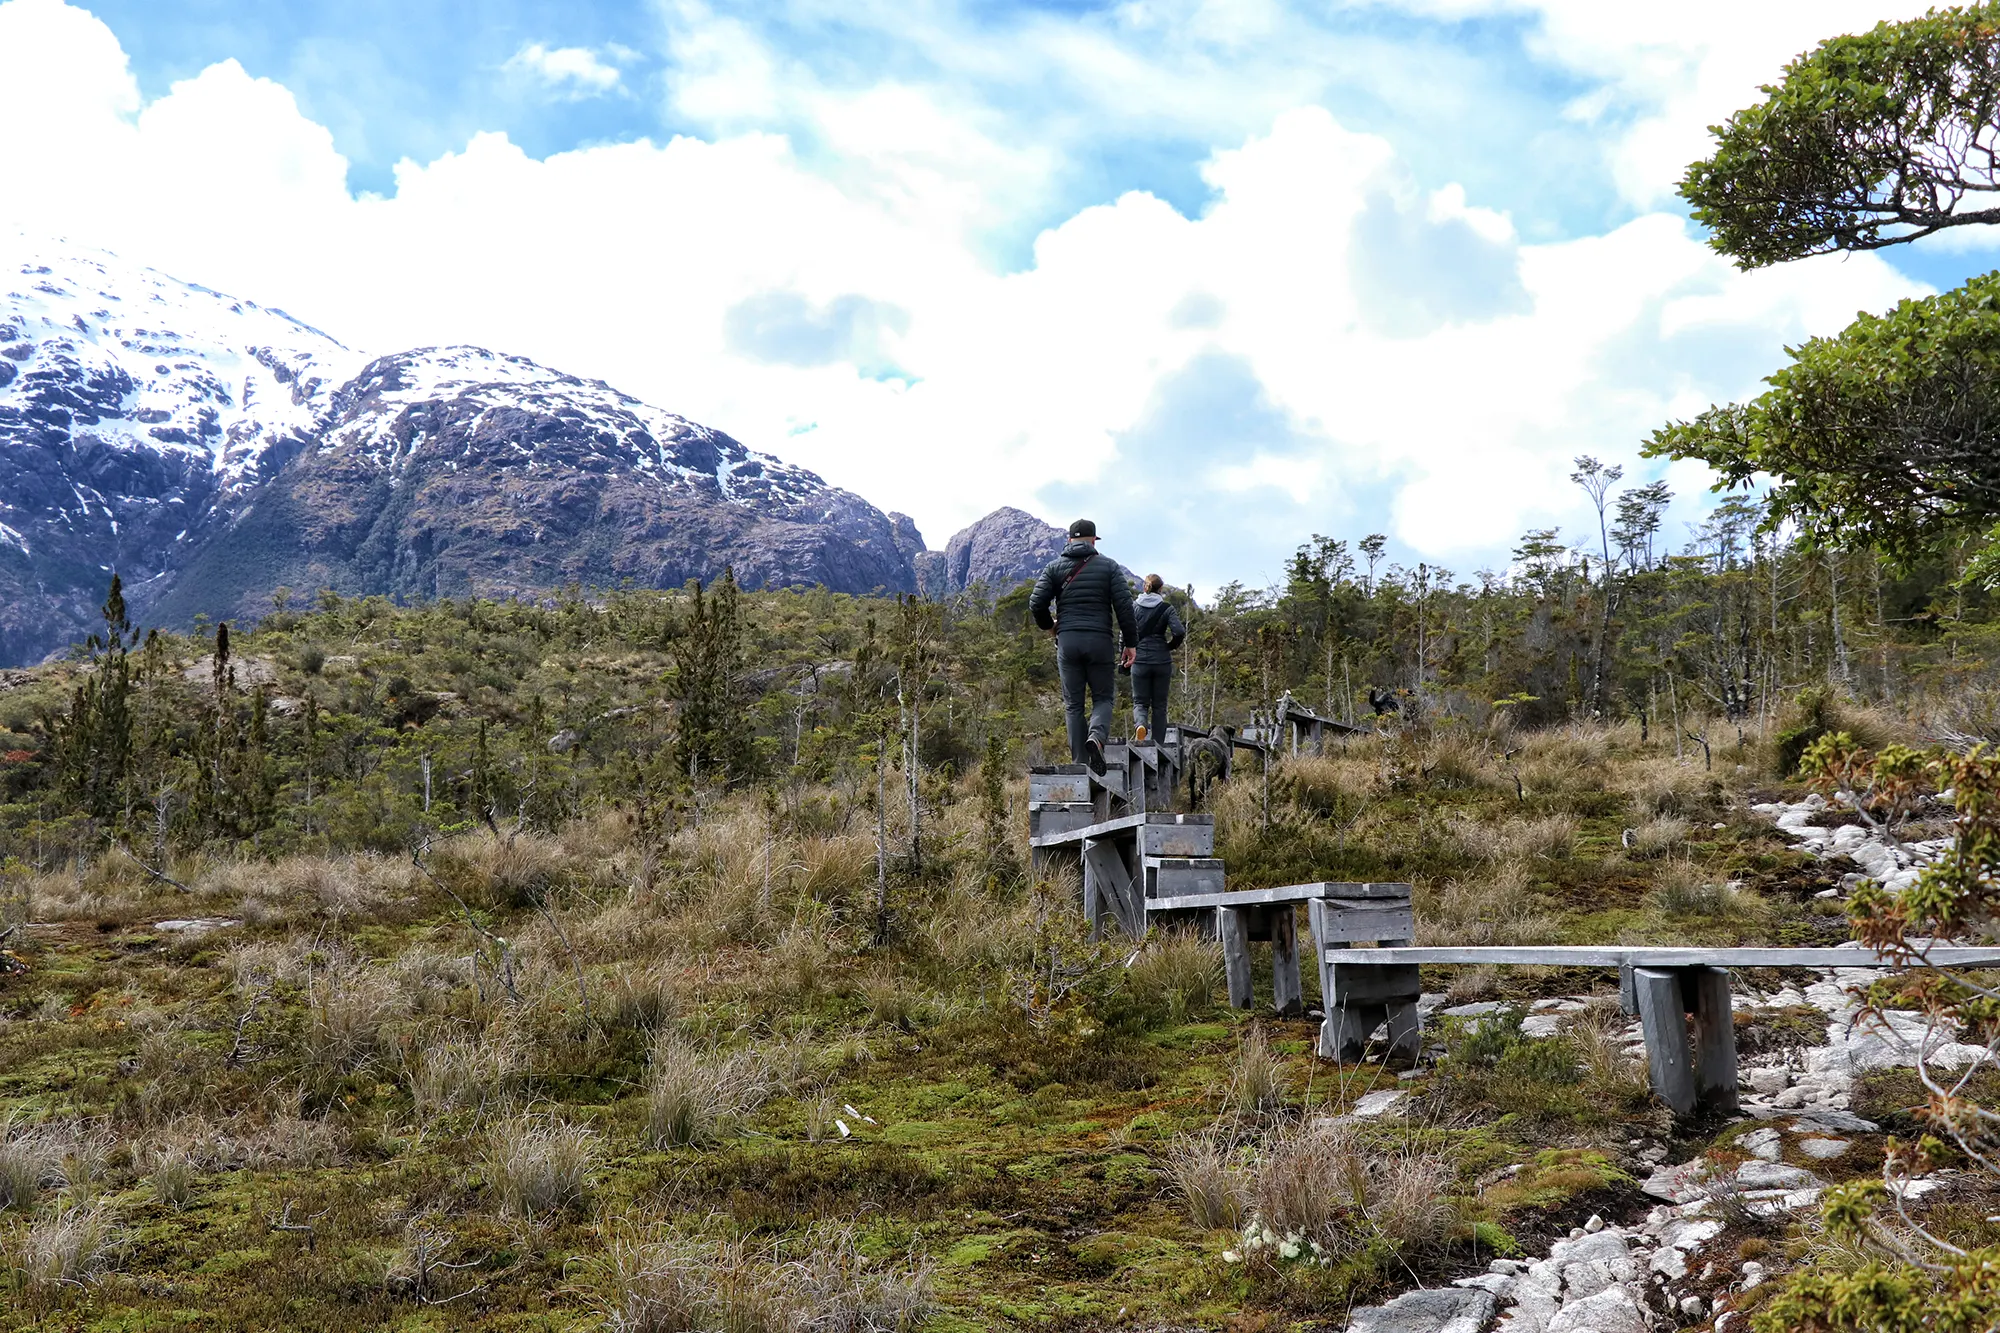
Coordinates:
x,y
1160,629
1088,603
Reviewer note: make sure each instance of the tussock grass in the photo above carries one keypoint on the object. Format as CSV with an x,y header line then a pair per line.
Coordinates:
x,y
1203,1169
1320,1182
821,1284
1178,973
697,1094
1496,908
1256,1075
538,1165
1659,835
71,1247
172,1179
31,1160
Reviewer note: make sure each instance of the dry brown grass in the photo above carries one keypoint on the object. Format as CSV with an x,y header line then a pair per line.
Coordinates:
x,y
1321,1183
511,870
538,1165
697,1094
1663,786
820,1283
1205,1171
1495,908
72,1247
1179,972
1659,835
1257,1079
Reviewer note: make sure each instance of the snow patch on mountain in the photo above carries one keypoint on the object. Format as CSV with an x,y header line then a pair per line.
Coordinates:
x,y
136,360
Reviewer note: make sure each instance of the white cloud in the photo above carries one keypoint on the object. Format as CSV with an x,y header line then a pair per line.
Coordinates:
x,y
1330,345
1670,71
571,71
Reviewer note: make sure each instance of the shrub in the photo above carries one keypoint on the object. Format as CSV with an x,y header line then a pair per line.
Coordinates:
x,y
538,1165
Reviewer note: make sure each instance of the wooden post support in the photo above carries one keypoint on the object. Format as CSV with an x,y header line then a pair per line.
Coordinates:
x,y
1233,925
1628,998
1714,1040
1287,992
1663,1019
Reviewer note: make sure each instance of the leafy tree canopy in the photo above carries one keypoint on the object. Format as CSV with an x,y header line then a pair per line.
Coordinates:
x,y
1867,141
1882,435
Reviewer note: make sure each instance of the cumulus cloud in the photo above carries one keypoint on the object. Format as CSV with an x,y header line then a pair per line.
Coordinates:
x,y
568,71
1331,343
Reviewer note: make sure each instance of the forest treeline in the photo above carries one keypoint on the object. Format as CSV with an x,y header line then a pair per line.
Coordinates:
x,y
340,722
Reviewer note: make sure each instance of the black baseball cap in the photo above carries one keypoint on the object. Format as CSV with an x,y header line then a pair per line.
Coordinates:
x,y
1083,527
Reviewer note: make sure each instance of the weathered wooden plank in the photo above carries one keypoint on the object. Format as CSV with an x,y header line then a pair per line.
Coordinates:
x,y
1184,877
1233,925
1714,1040
1353,923
1664,1023
1287,990
1611,955
1338,889
1371,985
1048,820
1059,785
1106,826
1104,861
1291,893
1176,839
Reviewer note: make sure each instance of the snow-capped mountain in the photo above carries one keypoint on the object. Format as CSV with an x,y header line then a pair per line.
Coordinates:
x,y
211,450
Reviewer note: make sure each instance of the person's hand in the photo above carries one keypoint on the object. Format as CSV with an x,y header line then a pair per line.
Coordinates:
x,y
1128,657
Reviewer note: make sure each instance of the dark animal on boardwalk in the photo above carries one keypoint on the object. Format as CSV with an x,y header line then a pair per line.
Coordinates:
x,y
1208,759
1383,701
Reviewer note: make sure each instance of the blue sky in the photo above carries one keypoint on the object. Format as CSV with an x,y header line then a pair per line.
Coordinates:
x,y
1226,272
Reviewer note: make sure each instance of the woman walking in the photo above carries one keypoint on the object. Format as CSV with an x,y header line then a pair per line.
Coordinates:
x,y
1160,632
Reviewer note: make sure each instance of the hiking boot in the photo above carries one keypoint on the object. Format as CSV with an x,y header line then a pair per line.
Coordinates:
x,y
1139,735
1093,754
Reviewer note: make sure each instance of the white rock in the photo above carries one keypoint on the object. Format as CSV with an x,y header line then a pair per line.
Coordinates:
x,y
1613,1310
1477,1009
1823,1150
1677,1184
1377,1103
1790,1099
1761,1175
1770,1081
1541,1025
1694,1307
1669,1263
1594,1225
200,925
1507,1267
1765,1143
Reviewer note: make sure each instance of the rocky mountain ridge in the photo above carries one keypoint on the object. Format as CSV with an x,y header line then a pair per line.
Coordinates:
x,y
211,450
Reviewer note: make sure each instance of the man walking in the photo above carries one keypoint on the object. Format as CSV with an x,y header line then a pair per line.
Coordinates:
x,y
1087,593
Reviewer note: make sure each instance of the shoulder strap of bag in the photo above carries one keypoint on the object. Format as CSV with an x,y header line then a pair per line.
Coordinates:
x,y
1079,569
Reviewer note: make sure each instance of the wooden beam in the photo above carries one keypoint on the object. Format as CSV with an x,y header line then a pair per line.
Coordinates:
x,y
1610,955
1287,990
1290,893
1233,925
1664,1023
1714,1040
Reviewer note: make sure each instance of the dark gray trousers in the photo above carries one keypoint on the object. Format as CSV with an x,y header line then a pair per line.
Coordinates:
x,y
1149,695
1087,661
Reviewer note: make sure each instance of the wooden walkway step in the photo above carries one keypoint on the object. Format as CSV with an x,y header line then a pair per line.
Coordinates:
x,y
1615,955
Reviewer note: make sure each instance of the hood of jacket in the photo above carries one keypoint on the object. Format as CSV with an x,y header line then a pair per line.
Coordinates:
x,y
1076,549
1149,599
